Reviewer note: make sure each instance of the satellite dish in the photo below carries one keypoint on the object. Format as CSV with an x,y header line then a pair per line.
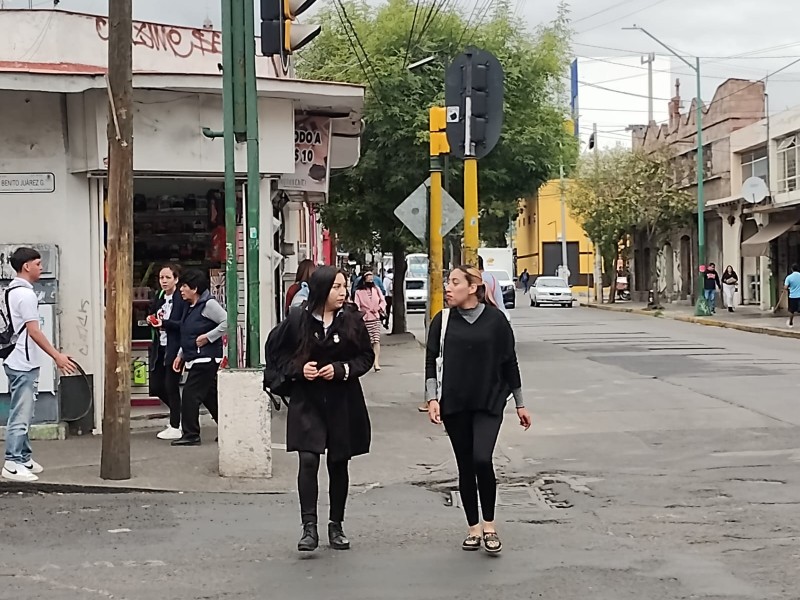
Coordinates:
x,y
754,190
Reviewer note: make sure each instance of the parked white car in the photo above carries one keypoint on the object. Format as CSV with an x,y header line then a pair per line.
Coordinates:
x,y
551,290
416,293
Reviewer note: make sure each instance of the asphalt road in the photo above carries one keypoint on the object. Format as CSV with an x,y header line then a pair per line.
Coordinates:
x,y
663,465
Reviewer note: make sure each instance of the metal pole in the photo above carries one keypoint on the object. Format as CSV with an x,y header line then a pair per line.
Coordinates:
x,y
231,274
701,205
564,258
598,257
253,191
649,60
435,246
471,235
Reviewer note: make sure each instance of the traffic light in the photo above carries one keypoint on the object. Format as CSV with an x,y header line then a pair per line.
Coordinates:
x,y
280,35
474,97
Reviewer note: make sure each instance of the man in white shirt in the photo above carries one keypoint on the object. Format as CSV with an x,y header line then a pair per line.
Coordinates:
x,y
22,365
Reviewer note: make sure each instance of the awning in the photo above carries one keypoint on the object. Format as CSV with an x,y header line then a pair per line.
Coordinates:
x,y
758,245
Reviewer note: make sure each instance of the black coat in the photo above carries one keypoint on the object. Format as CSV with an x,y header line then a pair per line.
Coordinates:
x,y
327,415
172,326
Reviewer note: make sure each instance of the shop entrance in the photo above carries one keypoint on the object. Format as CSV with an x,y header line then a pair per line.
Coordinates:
x,y
180,222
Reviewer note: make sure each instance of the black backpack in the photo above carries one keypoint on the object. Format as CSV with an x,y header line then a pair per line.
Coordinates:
x,y
277,386
8,335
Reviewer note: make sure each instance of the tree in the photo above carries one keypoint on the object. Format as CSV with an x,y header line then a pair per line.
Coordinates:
x,y
598,199
621,192
372,46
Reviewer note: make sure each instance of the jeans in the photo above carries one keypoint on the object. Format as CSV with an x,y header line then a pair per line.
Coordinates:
x,y
711,298
23,386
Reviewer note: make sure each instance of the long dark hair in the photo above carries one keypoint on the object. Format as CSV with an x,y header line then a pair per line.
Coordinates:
x,y
319,288
305,270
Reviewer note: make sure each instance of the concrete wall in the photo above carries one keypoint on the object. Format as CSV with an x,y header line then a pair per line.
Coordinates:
x,y
33,138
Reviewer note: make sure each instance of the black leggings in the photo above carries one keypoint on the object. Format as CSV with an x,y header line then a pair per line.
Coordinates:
x,y
308,487
473,436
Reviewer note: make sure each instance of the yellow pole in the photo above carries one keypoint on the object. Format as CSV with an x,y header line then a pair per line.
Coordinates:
x,y
438,146
471,211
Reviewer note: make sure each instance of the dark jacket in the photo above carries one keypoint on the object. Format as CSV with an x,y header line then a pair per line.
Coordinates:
x,y
172,326
196,323
711,280
327,415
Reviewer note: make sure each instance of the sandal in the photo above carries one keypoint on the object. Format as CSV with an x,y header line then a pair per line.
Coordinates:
x,y
491,542
472,543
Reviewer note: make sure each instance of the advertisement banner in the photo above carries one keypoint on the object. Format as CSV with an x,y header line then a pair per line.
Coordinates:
x,y
312,146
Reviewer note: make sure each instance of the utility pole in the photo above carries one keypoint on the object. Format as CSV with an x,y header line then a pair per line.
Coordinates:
x,y
598,257
564,258
649,60
115,461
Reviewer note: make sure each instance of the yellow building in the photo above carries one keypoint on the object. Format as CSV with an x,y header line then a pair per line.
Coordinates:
x,y
538,239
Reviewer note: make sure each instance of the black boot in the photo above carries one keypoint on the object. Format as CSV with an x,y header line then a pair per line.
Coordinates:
x,y
187,440
310,540
338,540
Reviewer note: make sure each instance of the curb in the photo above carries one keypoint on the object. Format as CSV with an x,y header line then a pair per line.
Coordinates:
x,y
760,329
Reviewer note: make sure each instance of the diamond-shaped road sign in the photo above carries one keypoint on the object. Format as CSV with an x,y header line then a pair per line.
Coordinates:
x,y
413,211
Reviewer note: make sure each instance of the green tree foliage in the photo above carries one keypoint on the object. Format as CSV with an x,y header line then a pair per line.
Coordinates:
x,y
372,45
620,192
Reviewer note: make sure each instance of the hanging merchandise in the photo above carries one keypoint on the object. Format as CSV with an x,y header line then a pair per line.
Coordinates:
x,y
139,372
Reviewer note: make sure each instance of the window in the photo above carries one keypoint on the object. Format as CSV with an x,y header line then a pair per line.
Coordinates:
x,y
754,164
787,164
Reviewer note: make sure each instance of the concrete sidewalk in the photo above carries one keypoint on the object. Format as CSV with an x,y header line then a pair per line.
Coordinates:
x,y
746,318
392,396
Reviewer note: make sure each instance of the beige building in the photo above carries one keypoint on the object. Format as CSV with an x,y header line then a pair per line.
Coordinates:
x,y
736,104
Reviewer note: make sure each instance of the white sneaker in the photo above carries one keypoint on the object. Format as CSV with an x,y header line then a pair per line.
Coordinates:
x,y
170,433
34,467
17,472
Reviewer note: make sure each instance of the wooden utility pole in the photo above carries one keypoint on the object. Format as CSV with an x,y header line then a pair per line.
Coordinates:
x,y
115,462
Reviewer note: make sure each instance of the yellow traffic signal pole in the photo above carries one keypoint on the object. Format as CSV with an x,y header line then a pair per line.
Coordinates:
x,y
438,146
471,239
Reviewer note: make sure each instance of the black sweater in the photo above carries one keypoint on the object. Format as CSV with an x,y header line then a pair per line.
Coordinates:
x,y
480,362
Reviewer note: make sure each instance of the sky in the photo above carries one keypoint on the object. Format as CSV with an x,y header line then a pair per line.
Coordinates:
x,y
760,35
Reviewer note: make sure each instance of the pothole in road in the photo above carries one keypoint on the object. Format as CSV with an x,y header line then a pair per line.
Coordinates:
x,y
547,492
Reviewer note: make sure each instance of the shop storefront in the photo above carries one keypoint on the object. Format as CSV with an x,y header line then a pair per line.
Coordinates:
x,y
53,121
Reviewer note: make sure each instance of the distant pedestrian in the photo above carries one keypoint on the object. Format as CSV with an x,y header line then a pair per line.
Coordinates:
x,y
298,291
324,349
493,290
22,363
166,313
202,328
792,284
729,282
371,302
711,284
525,279
388,283
471,370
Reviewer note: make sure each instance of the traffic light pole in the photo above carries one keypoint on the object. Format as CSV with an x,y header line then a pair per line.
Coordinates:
x,y
471,237
253,198
435,240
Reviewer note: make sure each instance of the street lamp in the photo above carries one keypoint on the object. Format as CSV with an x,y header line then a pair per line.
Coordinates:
x,y
701,205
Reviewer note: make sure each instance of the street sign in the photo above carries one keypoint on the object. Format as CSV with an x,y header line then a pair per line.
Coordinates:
x,y
413,212
473,92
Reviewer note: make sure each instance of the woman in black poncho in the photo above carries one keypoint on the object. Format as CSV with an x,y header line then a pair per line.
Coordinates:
x,y
323,349
471,370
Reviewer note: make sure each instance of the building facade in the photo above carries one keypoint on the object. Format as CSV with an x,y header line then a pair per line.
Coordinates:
x,y
736,104
53,171
538,234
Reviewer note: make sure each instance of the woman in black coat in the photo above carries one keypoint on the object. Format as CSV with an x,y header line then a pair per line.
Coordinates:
x,y
165,315
323,348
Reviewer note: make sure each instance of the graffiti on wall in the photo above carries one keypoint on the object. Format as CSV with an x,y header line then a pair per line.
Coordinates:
x,y
179,41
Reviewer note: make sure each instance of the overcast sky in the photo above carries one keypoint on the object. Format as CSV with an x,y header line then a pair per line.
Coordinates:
x,y
709,28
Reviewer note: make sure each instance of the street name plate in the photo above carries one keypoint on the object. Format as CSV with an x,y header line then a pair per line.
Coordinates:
x,y
27,183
